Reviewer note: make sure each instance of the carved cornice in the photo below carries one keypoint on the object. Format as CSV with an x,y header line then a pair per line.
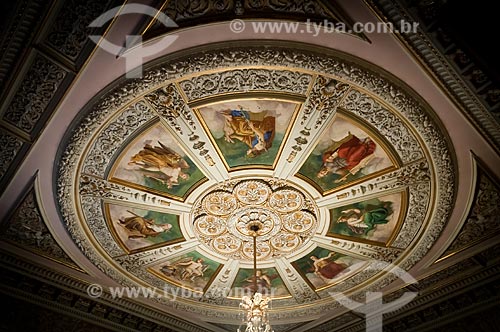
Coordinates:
x,y
25,315
186,14
447,303
471,104
69,295
16,38
338,322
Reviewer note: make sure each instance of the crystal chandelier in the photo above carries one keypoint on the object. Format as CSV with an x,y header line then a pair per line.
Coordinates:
x,y
256,318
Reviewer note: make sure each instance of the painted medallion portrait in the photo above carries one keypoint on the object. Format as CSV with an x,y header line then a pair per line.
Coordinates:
x,y
154,160
344,154
248,132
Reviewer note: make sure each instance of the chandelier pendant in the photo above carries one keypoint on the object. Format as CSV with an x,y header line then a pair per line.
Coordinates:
x,y
256,318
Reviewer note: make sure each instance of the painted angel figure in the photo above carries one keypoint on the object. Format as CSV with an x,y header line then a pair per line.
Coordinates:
x,y
161,163
263,282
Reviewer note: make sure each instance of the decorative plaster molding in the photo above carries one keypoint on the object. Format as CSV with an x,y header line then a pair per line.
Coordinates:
x,y
69,295
68,33
482,221
244,80
106,147
37,89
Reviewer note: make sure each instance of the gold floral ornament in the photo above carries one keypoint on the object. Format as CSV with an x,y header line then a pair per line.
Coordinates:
x,y
227,244
285,242
211,225
299,221
252,192
224,216
286,200
220,203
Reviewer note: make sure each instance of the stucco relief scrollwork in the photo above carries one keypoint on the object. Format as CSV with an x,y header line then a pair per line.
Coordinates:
x,y
325,96
92,209
482,220
27,228
321,104
170,106
10,146
36,91
417,207
69,32
244,80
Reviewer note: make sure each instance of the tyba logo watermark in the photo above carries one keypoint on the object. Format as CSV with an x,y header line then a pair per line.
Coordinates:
x,y
134,52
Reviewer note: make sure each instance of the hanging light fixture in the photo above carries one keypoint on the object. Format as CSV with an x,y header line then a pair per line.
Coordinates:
x,y
256,318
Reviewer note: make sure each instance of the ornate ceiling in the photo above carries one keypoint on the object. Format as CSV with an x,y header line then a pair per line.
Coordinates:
x,y
341,165
362,156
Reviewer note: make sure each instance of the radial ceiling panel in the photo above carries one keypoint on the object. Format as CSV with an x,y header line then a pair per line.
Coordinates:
x,y
341,166
154,162
249,133
345,154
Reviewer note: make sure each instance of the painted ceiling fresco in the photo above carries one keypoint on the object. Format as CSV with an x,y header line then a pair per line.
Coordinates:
x,y
168,181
